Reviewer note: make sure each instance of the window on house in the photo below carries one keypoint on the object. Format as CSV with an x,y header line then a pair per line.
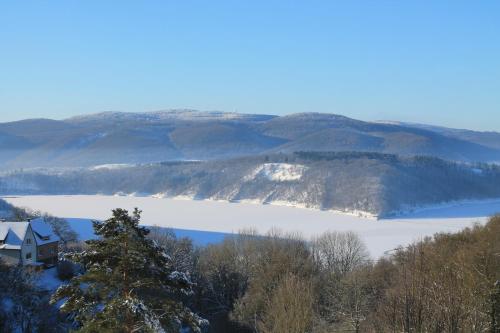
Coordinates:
x,y
28,241
28,255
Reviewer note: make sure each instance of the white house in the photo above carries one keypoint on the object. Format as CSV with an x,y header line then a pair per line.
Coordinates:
x,y
28,243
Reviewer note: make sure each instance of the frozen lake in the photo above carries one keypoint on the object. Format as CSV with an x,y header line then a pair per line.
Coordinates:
x,y
196,217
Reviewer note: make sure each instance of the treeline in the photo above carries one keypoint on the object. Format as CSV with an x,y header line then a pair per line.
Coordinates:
x,y
135,279
380,184
281,283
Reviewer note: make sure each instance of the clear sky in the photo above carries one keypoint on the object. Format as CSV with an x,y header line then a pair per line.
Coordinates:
x,y
424,61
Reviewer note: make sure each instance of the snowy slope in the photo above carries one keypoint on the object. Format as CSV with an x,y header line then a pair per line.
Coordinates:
x,y
278,172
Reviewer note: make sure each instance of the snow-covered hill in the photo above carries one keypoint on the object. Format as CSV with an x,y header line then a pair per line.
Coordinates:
x,y
361,183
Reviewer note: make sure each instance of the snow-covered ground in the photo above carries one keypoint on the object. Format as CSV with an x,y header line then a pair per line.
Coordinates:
x,y
48,279
223,217
111,166
85,231
278,172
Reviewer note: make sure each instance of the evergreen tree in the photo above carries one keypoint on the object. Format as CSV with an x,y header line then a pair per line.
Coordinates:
x,y
129,284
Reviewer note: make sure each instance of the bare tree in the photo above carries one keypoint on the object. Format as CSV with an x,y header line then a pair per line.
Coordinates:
x,y
290,308
339,252
61,228
181,250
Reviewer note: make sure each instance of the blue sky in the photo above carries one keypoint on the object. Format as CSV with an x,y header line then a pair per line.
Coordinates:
x,y
423,61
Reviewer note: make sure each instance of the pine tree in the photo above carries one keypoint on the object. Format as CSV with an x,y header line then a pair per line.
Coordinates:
x,y
129,284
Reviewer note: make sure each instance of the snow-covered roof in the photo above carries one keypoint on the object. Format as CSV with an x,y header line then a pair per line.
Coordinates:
x,y
43,232
13,234
3,233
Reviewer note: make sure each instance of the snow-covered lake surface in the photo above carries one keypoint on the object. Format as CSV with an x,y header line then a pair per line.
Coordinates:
x,y
209,220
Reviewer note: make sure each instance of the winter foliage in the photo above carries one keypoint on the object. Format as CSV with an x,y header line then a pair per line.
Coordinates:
x,y
129,283
134,279
364,183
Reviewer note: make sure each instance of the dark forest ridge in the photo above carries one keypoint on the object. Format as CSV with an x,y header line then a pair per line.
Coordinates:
x,y
373,183
183,134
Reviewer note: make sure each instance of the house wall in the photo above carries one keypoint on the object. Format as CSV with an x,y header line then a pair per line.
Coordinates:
x,y
48,253
10,257
29,246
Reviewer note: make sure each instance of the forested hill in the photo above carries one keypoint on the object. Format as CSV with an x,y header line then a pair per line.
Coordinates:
x,y
378,184
117,137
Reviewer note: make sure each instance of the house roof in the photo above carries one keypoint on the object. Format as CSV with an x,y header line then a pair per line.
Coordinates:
x,y
43,232
12,234
3,233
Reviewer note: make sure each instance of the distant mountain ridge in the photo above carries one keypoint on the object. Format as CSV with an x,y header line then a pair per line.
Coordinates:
x,y
173,115
489,138
184,134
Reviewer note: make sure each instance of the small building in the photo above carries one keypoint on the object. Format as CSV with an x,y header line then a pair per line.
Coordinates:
x,y
28,243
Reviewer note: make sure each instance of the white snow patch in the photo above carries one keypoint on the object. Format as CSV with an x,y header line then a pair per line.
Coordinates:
x,y
110,166
357,213
187,197
163,195
83,228
477,171
300,205
278,172
131,194
379,235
